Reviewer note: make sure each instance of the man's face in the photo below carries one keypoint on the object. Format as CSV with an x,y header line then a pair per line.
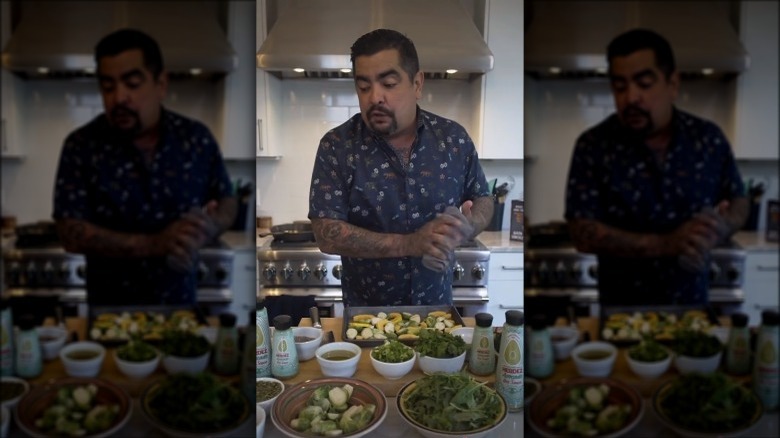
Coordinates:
x,y
388,99
131,95
643,95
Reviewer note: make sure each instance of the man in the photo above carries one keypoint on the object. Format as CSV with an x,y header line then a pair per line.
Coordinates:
x,y
139,189
395,189
651,189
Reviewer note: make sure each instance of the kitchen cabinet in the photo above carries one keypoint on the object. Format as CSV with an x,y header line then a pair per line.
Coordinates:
x,y
10,146
762,276
266,88
505,284
237,139
756,133
502,101
244,284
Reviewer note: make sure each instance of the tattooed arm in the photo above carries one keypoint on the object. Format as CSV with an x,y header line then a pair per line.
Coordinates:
x,y
479,212
339,237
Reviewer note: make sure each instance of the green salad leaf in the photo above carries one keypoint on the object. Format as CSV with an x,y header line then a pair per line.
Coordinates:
x,y
648,350
136,351
184,344
392,351
440,345
452,402
696,344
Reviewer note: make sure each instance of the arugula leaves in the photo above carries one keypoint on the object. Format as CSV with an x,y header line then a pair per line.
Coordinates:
x,y
440,345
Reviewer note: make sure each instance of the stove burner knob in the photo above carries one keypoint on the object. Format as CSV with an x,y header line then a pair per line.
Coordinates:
x,y
593,272
478,272
220,273
544,273
202,272
81,271
320,272
64,271
304,271
458,272
31,272
14,274
337,270
269,272
733,274
48,272
287,272
575,272
560,272
714,272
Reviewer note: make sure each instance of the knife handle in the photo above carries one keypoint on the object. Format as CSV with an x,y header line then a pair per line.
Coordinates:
x,y
314,312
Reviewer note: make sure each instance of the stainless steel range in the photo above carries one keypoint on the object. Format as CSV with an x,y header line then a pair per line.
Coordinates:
x,y
559,273
49,272
301,269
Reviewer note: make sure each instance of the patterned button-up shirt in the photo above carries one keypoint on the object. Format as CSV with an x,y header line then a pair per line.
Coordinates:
x,y
358,178
616,180
104,179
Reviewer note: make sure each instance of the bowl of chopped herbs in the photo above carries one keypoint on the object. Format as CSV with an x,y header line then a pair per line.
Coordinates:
x,y
649,359
451,405
696,351
393,359
137,359
440,352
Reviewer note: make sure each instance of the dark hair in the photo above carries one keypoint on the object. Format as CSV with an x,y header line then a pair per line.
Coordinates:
x,y
384,39
128,39
638,39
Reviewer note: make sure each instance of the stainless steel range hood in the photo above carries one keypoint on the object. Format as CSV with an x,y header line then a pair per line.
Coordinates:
x,y
568,39
56,39
316,35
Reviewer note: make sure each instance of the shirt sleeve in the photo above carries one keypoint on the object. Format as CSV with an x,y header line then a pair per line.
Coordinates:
x,y
731,185
582,183
329,191
476,182
219,185
70,183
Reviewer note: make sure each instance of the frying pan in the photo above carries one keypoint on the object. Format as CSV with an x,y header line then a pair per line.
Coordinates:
x,y
294,232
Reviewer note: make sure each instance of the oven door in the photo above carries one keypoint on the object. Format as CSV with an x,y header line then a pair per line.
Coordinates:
x,y
327,299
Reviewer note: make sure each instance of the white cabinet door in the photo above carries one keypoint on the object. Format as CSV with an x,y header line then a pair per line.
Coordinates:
x,y
502,127
265,84
244,284
756,112
10,147
505,285
762,276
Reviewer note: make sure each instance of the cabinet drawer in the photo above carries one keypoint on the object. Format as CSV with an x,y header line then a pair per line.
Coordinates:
x,y
506,266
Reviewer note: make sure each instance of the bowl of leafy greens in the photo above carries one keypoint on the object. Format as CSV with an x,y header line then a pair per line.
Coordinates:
x,y
451,405
648,359
137,359
195,405
707,406
329,406
74,406
185,352
586,406
696,351
393,359
440,352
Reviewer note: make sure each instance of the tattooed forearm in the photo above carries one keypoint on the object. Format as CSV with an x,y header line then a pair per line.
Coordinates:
x,y
80,236
594,237
481,213
339,237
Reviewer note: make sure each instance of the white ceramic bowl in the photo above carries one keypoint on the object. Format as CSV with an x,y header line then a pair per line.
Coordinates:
x,y
563,339
690,364
191,365
5,420
136,370
51,338
307,349
75,367
259,421
594,367
393,371
11,402
268,403
650,370
338,368
531,387
467,333
430,365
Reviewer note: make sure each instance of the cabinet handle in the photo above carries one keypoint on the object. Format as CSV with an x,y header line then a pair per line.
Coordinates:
x,y
3,139
764,268
505,307
511,268
260,135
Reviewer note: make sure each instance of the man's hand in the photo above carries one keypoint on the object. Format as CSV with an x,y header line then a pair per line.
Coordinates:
x,y
693,240
437,238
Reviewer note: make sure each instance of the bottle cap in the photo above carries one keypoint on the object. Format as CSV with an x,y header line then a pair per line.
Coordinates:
x,y
282,322
227,319
260,305
484,319
515,317
26,322
770,317
538,321
739,319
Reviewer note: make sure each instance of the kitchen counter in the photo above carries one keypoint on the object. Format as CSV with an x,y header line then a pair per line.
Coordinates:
x,y
650,424
498,241
393,425
755,241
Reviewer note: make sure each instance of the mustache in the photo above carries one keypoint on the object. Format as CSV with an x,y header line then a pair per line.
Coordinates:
x,y
123,111
380,109
632,110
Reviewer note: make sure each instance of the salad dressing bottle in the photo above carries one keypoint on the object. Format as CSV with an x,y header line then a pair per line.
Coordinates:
x,y
509,370
284,356
28,351
540,353
482,359
226,357
738,350
766,380
262,342
248,359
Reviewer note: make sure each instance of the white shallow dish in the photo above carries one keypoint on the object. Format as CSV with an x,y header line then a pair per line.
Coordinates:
x,y
10,403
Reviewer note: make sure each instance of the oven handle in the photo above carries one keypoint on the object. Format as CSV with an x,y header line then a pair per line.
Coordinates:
x,y
505,307
511,268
